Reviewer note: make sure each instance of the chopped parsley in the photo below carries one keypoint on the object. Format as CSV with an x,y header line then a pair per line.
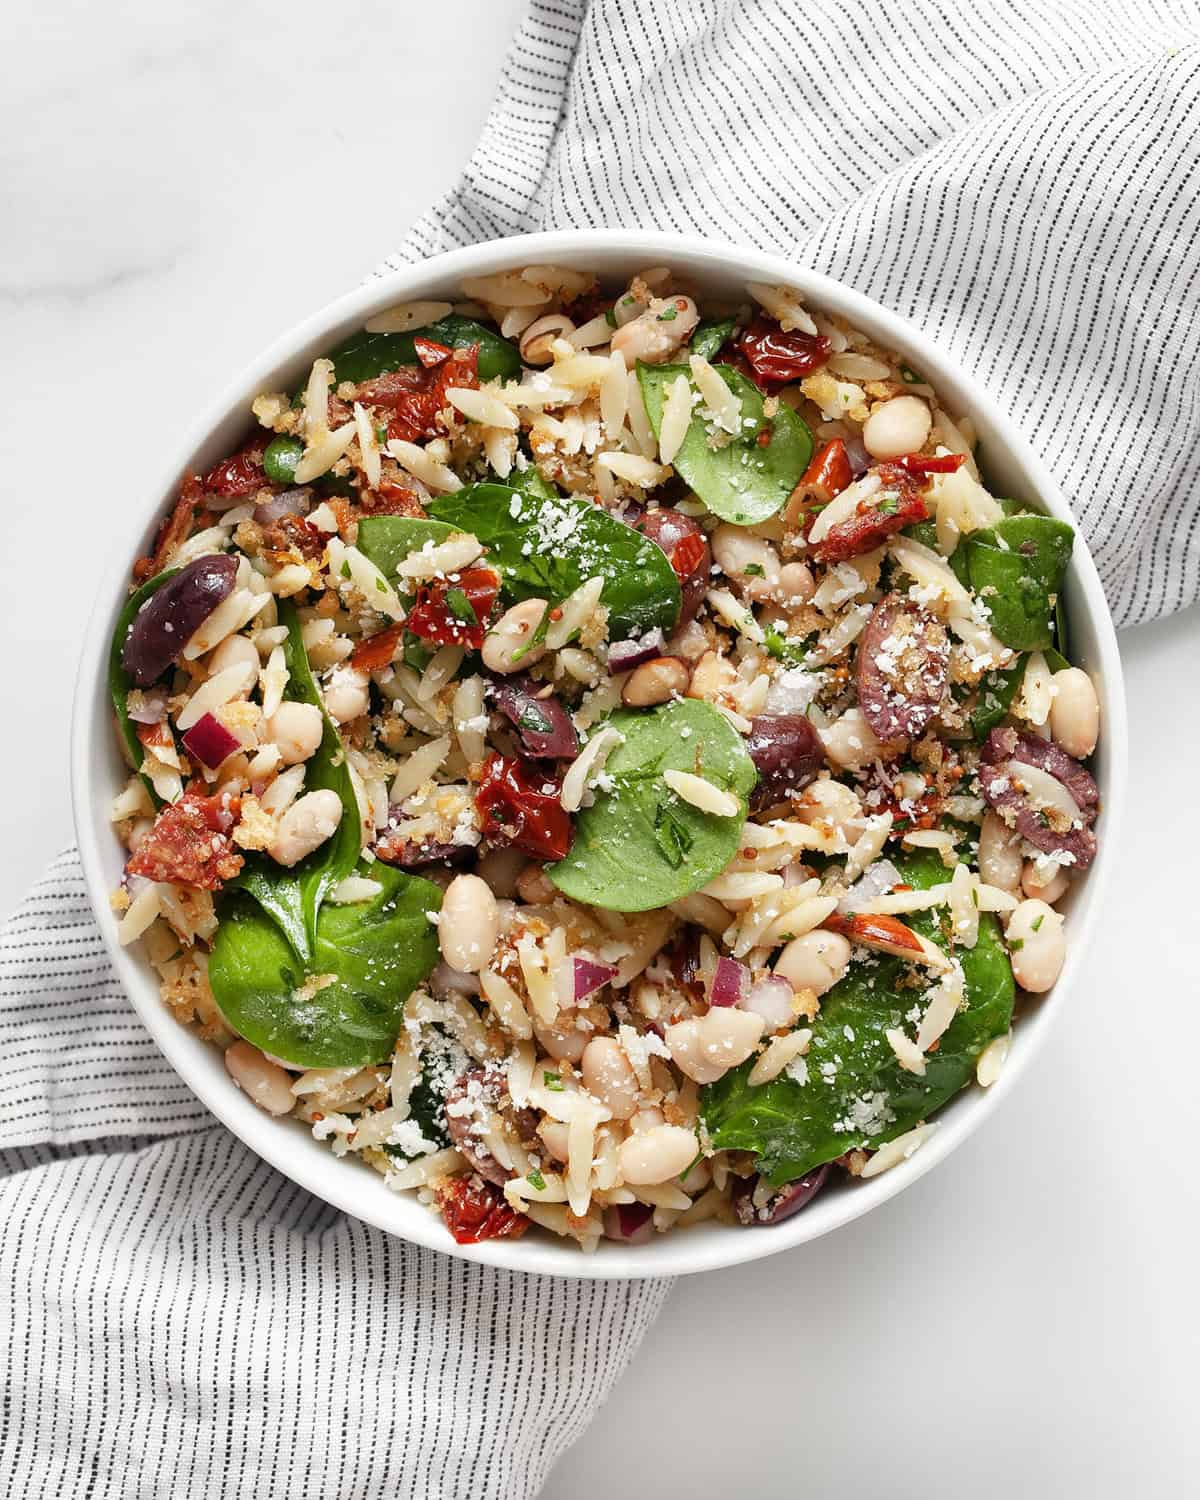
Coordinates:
x,y
1037,922
534,719
610,317
754,570
461,607
1015,945
888,506
668,315
777,645
552,1081
910,376
536,1180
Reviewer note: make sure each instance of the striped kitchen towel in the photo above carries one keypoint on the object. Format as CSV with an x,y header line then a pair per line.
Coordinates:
x,y
1021,179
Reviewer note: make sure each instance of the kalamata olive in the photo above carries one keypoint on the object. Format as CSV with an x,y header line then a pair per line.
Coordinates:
x,y
1019,809
787,754
413,854
782,1204
684,542
471,1098
172,615
903,663
543,724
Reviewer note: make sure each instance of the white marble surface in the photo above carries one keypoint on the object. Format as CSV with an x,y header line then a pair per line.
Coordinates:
x,y
177,184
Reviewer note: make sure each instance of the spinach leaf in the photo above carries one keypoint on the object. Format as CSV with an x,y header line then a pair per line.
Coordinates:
x,y
546,546
857,1094
292,897
388,540
119,680
639,845
530,482
363,355
996,693
740,481
710,336
376,951
1017,568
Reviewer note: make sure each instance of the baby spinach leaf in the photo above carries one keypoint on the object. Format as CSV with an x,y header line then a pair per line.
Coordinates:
x,y
1017,568
639,845
530,482
363,355
857,1094
388,540
545,546
119,680
292,897
996,693
710,336
737,478
370,956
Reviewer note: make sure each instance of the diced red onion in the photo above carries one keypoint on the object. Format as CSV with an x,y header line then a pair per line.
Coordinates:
x,y
590,976
857,456
623,656
447,981
876,880
290,503
773,1000
631,1223
730,983
153,708
210,742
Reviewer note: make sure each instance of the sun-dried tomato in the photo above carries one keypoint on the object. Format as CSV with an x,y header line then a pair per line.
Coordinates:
x,y
941,463
774,358
519,805
827,475
377,650
430,353
391,499
414,395
476,1210
240,474
454,611
687,554
898,504
173,529
292,537
190,843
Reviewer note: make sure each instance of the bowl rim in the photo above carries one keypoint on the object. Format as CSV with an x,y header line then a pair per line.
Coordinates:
x,y
311,1164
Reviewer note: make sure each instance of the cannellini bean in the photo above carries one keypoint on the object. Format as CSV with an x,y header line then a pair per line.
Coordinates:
x,y
850,742
738,551
796,584
563,1041
1049,891
706,1047
234,651
265,1082
541,333
1037,945
898,426
832,804
655,681
711,676
296,729
305,826
655,335
1000,854
469,924
347,694
815,961
608,1077
511,634
1075,713
656,1155
554,1137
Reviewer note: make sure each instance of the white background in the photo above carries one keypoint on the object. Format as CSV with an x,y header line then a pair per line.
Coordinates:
x,y
178,184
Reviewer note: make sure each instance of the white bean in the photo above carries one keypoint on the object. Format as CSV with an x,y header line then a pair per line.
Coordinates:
x,y
1000,854
346,694
265,1082
898,426
564,1041
608,1077
737,550
655,681
815,961
469,924
656,1155
1049,891
512,633
1037,945
796,584
305,826
832,804
1075,713
235,651
554,1137
706,1047
850,742
655,335
296,729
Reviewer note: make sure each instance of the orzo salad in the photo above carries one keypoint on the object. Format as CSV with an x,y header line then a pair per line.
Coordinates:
x,y
602,756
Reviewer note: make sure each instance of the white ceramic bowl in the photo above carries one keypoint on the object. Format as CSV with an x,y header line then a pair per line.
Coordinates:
x,y
98,771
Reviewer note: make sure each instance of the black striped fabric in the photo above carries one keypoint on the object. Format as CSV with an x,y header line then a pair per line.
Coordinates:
x,y
1021,179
